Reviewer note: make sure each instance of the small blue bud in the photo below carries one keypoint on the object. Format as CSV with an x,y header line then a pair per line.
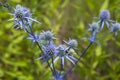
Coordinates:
x,y
72,43
94,27
115,28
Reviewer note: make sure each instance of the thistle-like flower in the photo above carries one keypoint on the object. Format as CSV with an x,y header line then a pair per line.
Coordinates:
x,y
22,17
115,28
47,35
105,15
34,38
72,43
48,51
105,19
94,27
63,53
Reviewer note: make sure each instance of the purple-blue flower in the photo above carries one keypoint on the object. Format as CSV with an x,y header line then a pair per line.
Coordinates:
x,y
105,19
115,28
48,51
47,35
94,27
63,53
105,15
72,43
22,17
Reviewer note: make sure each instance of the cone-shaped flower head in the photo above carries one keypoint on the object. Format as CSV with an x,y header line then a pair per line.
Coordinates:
x,y
72,43
47,35
21,12
63,53
105,19
22,17
115,28
105,15
94,27
48,51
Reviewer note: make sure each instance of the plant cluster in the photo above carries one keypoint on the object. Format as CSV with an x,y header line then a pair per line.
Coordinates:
x,y
52,53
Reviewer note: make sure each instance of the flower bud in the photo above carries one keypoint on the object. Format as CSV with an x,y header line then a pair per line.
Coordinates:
x,y
94,27
72,43
47,35
115,28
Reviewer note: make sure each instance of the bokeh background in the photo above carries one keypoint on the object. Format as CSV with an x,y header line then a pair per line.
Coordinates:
x,y
67,19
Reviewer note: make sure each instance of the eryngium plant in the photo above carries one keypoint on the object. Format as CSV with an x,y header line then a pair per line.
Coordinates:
x,y
50,52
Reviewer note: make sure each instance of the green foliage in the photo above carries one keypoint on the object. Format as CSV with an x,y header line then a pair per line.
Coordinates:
x,y
68,19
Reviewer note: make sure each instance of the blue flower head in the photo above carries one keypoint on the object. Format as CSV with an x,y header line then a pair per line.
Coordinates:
x,y
115,28
22,17
105,15
105,19
34,38
47,35
94,27
63,53
48,51
21,12
61,50
72,43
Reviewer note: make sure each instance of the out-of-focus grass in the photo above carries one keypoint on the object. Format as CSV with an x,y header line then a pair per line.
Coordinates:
x,y
68,19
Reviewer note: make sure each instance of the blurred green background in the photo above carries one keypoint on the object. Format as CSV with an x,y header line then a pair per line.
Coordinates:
x,y
67,19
